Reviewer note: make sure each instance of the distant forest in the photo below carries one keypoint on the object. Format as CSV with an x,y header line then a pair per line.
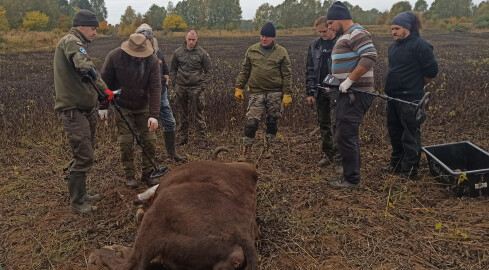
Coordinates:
x,y
46,15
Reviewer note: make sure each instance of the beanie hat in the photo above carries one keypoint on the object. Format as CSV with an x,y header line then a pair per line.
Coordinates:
x,y
146,30
338,11
268,30
405,19
85,18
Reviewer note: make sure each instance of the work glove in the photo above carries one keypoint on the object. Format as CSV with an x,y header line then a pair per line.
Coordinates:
x,y
106,96
103,114
345,85
286,100
152,124
238,93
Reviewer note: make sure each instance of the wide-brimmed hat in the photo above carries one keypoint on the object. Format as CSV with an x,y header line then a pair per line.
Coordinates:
x,y
138,46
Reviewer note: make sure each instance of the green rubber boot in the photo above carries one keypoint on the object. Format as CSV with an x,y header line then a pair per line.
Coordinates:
x,y
78,194
169,137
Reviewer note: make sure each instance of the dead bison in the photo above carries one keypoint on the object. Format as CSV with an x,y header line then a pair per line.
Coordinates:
x,y
203,217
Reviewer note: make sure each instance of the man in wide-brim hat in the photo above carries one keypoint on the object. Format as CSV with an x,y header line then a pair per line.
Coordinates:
x,y
134,69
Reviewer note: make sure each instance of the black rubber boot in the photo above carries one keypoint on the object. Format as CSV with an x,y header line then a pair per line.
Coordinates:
x,y
78,193
146,178
169,137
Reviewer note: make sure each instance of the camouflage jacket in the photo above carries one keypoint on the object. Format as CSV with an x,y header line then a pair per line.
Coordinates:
x,y
70,61
190,68
263,73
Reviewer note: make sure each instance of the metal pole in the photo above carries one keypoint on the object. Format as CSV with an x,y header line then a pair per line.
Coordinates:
x,y
373,94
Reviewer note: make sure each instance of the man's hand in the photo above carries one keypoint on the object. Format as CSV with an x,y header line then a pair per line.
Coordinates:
x,y
286,100
238,94
110,93
152,124
345,85
106,97
103,114
311,100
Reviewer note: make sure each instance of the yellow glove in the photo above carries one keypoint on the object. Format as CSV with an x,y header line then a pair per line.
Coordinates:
x,y
286,100
238,94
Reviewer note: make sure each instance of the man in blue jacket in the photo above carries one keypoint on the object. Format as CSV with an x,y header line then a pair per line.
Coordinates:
x,y
412,66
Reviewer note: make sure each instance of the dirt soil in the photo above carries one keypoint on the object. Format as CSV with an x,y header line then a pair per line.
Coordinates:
x,y
389,223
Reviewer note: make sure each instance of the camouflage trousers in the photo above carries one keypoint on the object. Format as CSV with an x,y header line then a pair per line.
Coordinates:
x,y
190,102
138,119
79,126
268,104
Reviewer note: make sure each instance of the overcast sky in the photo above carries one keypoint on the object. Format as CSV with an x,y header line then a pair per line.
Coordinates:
x,y
116,8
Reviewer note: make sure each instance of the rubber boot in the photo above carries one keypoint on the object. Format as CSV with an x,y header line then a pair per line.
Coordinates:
x,y
146,178
268,148
131,183
92,198
182,141
169,137
324,162
245,155
78,193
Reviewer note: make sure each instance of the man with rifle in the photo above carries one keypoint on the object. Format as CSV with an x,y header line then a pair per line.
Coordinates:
x,y
76,103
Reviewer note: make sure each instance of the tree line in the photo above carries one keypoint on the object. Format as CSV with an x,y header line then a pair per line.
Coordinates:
x,y
227,14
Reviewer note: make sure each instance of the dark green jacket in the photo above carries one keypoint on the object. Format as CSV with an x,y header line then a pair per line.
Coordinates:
x,y
190,68
70,61
266,73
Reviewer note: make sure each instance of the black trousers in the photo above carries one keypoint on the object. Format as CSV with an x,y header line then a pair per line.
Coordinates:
x,y
326,119
349,116
405,135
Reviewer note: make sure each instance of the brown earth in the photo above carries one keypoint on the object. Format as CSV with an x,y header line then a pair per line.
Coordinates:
x,y
304,224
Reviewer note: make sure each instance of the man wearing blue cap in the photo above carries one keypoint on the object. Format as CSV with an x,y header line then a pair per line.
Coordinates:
x,y
353,56
412,66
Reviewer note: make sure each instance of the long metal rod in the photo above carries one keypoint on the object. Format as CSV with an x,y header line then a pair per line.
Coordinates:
x,y
119,110
373,94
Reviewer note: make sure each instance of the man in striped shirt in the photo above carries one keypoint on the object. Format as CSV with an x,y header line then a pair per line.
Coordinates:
x,y
354,56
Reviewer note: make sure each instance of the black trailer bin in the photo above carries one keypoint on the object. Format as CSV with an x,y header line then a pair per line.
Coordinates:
x,y
463,166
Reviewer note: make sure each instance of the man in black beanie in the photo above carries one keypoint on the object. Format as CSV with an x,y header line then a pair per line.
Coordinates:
x,y
412,66
268,72
75,104
353,56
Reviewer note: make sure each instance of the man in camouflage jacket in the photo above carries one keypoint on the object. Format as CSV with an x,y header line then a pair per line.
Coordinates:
x,y
190,73
267,71
76,101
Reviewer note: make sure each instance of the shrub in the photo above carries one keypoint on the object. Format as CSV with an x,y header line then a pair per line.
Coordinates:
x,y
174,22
105,28
126,30
4,25
35,20
482,21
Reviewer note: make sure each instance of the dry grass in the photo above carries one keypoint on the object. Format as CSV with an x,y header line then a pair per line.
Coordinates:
x,y
304,224
22,41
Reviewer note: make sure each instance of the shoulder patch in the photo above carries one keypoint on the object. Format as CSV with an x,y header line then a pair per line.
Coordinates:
x,y
83,50
79,43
